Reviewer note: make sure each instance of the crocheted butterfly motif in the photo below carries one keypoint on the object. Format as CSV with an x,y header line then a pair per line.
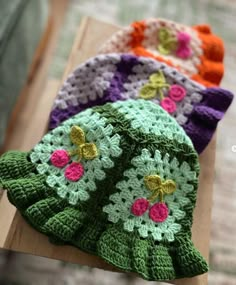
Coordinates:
x,y
158,212
168,94
179,45
61,158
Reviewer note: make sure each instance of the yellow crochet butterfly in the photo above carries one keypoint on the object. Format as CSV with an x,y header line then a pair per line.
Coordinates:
x,y
83,150
159,188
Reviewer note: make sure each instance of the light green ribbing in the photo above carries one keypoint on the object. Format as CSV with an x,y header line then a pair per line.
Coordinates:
x,y
97,131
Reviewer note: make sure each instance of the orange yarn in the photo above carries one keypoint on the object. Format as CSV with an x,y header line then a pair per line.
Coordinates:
x,y
211,69
141,51
138,34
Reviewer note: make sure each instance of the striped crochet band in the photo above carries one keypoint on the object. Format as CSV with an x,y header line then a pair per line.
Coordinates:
x,y
112,77
195,51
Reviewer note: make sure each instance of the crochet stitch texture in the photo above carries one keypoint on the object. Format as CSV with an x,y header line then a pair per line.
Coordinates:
x,y
112,77
194,51
96,130
136,141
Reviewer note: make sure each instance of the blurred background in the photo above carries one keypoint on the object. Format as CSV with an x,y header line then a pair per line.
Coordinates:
x,y
23,24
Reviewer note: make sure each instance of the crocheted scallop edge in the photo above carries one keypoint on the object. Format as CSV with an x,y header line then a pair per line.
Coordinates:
x,y
152,261
37,202
206,114
96,234
211,68
53,216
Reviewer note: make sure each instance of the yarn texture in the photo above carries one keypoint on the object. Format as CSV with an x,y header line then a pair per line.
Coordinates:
x,y
112,77
117,174
194,51
132,204
86,167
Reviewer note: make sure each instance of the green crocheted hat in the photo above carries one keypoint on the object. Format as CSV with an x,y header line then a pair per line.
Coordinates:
x,y
118,181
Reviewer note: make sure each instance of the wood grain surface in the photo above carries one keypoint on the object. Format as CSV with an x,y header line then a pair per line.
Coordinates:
x,y
19,236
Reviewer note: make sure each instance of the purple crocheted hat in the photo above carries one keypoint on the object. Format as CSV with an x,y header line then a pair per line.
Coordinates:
x,y
112,77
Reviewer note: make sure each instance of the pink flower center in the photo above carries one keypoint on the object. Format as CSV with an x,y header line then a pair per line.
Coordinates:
x,y
74,171
158,212
59,158
168,104
183,51
139,207
177,92
183,38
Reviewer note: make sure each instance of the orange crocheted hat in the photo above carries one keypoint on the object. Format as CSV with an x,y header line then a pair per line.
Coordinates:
x,y
195,51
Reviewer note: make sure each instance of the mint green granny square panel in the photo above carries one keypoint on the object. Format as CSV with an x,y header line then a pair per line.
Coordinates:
x,y
158,123
96,130
133,187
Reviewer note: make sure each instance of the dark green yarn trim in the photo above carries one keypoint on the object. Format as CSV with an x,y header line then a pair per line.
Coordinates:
x,y
134,148
96,219
9,168
88,223
151,260
37,202
180,150
153,142
96,222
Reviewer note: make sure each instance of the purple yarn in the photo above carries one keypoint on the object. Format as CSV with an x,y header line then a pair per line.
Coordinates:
x,y
57,115
124,69
112,94
202,121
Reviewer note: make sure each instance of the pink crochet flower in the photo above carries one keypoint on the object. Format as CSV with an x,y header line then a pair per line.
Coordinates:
x,y
74,171
139,207
177,92
59,158
183,51
168,104
158,212
183,38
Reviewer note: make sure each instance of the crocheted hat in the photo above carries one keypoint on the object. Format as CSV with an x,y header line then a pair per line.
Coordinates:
x,y
194,51
119,181
112,77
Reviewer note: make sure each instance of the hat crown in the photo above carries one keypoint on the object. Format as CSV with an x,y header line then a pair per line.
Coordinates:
x,y
78,154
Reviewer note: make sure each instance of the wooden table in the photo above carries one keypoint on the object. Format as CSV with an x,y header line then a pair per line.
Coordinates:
x,y
16,235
